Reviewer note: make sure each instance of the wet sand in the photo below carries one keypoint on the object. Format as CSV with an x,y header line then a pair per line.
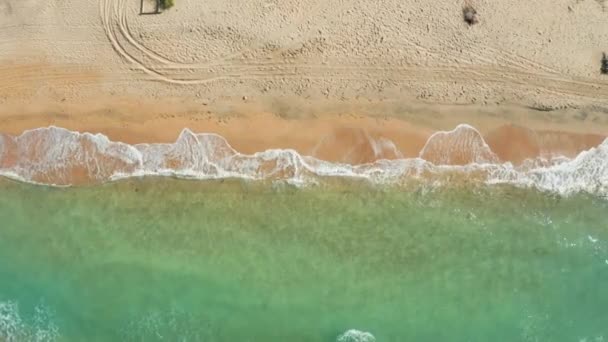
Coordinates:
x,y
336,133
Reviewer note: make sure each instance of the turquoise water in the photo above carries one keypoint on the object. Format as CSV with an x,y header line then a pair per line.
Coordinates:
x,y
175,260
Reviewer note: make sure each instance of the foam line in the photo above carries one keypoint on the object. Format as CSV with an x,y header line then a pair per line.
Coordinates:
x,y
59,157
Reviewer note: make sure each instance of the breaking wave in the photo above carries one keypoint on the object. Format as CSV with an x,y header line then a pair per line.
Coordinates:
x,y
56,156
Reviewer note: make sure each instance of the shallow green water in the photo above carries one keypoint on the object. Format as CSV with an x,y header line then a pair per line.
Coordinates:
x,y
169,260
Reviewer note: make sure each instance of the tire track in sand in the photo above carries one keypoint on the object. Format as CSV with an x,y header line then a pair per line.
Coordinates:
x,y
114,15
514,71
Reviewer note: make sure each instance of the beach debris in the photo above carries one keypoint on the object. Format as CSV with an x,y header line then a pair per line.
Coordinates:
x,y
165,4
354,335
469,15
604,67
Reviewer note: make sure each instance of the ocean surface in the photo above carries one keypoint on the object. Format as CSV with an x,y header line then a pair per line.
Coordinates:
x,y
165,259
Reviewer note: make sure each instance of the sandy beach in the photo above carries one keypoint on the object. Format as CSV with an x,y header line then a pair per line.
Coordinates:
x,y
287,57
329,80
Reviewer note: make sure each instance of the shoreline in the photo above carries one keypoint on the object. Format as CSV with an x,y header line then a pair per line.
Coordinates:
x,y
553,161
324,130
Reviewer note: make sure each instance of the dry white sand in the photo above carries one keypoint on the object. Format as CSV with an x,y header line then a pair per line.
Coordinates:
x,y
69,58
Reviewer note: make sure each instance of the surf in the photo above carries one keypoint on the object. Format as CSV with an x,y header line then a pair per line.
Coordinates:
x,y
59,157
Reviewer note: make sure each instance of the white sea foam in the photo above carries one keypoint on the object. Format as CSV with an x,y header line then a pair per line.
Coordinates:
x,y
460,146
353,335
56,156
14,328
10,321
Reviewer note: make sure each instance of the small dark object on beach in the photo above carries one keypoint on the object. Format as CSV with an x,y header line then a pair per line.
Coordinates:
x,y
165,4
470,15
604,68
